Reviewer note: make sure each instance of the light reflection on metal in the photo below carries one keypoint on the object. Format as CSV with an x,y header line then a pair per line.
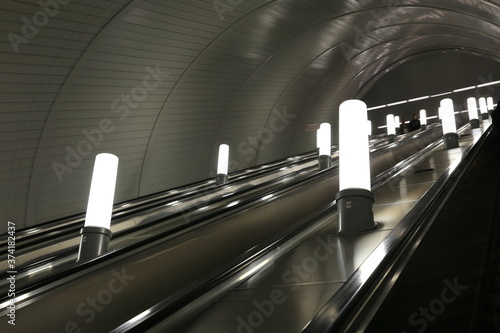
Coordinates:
x,y
372,262
253,270
39,269
267,197
16,300
232,204
140,316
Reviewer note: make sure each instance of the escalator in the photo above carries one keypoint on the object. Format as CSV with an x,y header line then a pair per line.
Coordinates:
x,y
443,274
41,255
450,282
315,283
98,295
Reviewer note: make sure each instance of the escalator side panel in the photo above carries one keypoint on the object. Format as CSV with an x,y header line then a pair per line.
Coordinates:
x,y
437,290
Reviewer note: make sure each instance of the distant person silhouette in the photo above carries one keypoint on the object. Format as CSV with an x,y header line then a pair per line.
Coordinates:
x,y
414,123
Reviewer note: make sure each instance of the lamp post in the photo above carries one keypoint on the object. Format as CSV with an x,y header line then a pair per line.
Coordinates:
x,y
450,136
489,103
472,109
96,233
354,199
222,165
324,144
423,120
391,128
483,108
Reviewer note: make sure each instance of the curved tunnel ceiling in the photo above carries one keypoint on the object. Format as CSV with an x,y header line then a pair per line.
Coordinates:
x,y
163,83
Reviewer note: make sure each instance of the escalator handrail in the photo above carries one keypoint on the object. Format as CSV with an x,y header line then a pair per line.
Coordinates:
x,y
399,243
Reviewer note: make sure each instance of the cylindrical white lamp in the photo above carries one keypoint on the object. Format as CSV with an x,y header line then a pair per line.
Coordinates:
x,y
325,146
397,123
222,165
354,199
472,109
318,137
369,127
490,105
483,108
96,233
391,127
423,119
450,136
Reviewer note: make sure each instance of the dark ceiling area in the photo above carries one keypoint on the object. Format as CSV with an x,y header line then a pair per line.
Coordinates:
x,y
161,83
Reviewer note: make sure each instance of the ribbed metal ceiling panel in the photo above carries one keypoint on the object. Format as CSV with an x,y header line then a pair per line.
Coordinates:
x,y
35,63
163,83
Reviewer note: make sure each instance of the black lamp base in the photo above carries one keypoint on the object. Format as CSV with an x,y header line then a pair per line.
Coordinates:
x,y
221,179
450,140
94,241
355,210
324,162
474,123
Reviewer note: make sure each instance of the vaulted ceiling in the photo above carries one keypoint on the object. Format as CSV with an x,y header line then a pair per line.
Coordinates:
x,y
161,83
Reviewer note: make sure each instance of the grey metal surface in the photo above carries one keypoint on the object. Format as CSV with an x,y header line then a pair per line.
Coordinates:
x,y
165,266
298,167
321,264
165,82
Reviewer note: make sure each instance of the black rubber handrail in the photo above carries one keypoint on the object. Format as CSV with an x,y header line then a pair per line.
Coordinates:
x,y
397,246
